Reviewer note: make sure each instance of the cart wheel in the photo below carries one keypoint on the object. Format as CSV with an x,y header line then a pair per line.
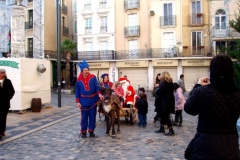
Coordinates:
x,y
131,114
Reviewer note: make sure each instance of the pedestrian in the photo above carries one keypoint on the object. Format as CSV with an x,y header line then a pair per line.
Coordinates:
x,y
157,82
142,106
165,105
6,93
181,83
119,92
216,102
179,104
87,96
136,97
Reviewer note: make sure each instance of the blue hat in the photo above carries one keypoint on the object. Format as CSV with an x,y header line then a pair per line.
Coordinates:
x,y
103,75
83,65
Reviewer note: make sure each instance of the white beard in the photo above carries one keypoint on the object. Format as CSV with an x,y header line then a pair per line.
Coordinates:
x,y
124,87
107,108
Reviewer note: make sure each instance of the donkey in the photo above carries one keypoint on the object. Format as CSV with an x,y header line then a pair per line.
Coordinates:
x,y
111,106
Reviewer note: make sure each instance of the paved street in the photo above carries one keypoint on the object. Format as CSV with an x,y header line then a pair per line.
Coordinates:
x,y
53,134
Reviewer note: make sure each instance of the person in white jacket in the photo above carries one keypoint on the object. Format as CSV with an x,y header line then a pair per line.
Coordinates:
x,y
179,104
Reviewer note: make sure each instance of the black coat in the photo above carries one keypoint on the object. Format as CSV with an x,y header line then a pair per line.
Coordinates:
x,y
165,98
6,93
142,106
217,136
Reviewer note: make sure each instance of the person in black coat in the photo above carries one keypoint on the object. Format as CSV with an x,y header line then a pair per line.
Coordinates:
x,y
166,102
142,106
6,94
157,83
218,106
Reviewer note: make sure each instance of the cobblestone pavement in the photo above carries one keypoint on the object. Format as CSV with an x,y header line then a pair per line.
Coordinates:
x,y
55,136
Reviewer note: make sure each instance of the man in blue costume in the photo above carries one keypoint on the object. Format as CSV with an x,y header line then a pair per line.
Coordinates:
x,y
87,96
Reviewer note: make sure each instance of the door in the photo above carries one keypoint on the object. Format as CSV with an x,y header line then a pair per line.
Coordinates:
x,y
197,48
167,11
220,24
133,49
196,12
104,50
89,53
132,25
168,44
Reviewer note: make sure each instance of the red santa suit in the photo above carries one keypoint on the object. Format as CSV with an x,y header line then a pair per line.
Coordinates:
x,y
128,91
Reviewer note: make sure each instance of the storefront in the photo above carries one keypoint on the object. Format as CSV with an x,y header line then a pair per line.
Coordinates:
x,y
166,65
99,68
136,72
193,70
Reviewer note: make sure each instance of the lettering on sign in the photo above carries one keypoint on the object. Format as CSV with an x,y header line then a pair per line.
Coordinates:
x,y
132,63
196,62
165,63
95,65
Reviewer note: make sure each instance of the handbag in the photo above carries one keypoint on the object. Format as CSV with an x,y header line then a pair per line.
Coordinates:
x,y
189,150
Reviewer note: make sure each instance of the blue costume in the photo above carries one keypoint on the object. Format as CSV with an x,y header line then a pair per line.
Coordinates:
x,y
87,94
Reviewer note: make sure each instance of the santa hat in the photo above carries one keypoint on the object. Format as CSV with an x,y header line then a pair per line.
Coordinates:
x,y
83,65
122,80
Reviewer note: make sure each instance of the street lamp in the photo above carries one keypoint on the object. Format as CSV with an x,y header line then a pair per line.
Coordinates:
x,y
58,17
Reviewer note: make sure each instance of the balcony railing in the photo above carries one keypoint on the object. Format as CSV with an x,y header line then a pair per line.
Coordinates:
x,y
131,4
29,54
88,29
30,0
131,31
224,32
103,4
65,31
64,9
87,6
15,2
103,29
96,55
168,21
196,19
28,25
196,51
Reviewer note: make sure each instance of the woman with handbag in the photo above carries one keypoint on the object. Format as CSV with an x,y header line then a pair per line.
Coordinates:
x,y
218,106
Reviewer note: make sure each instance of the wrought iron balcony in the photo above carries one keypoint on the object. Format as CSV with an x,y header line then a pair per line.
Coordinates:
x,y
168,21
196,19
96,55
87,6
102,4
131,4
88,29
224,32
196,51
29,54
64,9
30,1
132,31
65,31
103,29
28,25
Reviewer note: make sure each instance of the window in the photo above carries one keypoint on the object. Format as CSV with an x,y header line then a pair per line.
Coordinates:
x,y
63,2
167,11
87,4
88,28
63,21
104,49
103,4
196,12
30,18
88,49
75,7
30,44
220,19
196,43
103,24
75,26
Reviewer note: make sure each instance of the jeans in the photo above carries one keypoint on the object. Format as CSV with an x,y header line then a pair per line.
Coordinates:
x,y
178,117
142,119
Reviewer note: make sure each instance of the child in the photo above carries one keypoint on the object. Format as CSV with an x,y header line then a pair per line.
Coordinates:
x,y
119,92
179,104
136,97
142,105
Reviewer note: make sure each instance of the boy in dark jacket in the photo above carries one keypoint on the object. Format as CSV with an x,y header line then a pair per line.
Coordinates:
x,y
142,106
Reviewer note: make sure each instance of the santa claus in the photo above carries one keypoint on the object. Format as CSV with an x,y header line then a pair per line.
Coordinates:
x,y
128,91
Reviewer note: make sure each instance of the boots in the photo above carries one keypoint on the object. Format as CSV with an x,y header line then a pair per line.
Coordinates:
x,y
170,133
161,130
92,135
83,135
